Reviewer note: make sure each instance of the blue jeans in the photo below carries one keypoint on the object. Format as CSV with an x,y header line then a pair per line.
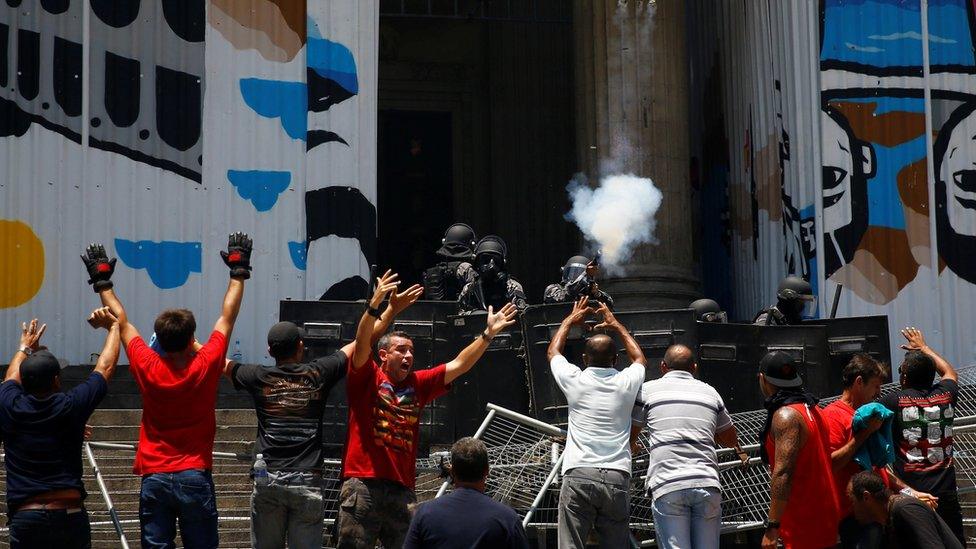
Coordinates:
x,y
185,496
40,528
688,518
289,508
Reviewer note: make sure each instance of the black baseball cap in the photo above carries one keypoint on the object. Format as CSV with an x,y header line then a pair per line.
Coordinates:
x,y
780,369
39,370
283,338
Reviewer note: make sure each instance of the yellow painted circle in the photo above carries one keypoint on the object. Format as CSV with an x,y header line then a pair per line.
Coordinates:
x,y
22,268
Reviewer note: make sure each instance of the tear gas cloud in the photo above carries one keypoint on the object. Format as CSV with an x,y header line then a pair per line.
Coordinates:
x,y
616,216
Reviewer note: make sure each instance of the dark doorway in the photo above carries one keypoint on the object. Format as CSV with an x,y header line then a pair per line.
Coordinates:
x,y
414,189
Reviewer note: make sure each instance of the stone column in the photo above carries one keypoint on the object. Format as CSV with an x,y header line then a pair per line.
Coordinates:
x,y
632,117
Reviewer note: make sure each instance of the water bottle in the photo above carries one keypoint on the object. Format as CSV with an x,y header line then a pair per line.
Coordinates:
x,y
238,356
260,471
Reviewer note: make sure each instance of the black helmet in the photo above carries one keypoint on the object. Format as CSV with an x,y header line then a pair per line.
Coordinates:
x,y
458,242
491,244
574,268
794,288
708,310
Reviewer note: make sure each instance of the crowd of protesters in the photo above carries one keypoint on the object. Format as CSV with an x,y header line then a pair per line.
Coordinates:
x,y
865,471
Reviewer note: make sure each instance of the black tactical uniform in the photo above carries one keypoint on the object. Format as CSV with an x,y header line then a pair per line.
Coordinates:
x,y
444,281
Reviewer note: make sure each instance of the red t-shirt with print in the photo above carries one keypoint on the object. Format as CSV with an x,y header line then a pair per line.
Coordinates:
x,y
178,420
384,421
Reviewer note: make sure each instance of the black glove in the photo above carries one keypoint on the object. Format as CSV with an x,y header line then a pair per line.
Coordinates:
x,y
238,255
100,267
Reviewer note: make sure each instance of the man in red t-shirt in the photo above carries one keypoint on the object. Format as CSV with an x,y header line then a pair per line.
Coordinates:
x,y
862,378
803,508
385,401
179,393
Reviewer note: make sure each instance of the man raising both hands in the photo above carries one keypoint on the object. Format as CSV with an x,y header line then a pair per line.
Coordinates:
x,y
385,401
596,463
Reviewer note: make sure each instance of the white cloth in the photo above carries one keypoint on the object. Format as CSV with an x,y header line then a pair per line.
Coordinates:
x,y
600,404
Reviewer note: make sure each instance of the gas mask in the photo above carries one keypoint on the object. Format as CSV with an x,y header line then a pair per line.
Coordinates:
x,y
490,267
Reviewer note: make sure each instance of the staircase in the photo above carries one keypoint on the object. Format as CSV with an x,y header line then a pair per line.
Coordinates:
x,y
235,433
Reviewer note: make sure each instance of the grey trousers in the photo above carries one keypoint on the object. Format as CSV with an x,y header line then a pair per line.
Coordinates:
x,y
594,498
289,508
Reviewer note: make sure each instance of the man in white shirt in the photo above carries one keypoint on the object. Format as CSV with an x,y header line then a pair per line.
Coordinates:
x,y
596,463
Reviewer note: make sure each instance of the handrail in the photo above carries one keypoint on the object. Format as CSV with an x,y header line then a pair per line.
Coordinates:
x,y
105,496
529,421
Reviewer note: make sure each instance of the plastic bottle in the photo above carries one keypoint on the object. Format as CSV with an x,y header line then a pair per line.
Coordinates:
x,y
260,471
238,356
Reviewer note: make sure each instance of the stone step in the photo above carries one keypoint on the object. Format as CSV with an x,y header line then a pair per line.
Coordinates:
x,y
104,416
244,434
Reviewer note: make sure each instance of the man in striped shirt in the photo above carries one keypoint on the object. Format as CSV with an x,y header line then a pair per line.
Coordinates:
x,y
685,419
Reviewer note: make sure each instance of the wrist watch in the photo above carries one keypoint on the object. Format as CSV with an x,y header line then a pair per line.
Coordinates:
x,y
26,350
770,524
485,335
372,311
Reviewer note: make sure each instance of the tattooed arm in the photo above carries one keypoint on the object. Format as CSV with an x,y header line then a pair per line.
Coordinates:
x,y
789,435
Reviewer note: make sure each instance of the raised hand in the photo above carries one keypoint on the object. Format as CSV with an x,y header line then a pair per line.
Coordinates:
x,y
916,341
579,312
384,285
30,334
400,301
504,318
100,267
609,321
238,255
102,318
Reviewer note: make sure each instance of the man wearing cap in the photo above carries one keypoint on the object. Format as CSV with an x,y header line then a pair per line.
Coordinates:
x,y
794,443
289,399
179,394
44,430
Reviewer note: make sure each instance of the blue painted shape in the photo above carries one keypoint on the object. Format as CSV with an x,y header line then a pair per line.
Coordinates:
x,y
334,61
887,33
885,208
260,187
168,263
279,99
298,254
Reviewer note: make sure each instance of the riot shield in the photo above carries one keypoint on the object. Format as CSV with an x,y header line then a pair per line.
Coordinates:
x,y
331,324
849,336
729,355
654,331
498,377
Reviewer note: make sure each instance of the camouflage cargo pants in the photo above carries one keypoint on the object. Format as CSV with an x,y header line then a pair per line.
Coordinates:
x,y
374,509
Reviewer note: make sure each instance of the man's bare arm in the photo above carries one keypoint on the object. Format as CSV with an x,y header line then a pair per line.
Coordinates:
x,y
789,435
30,337
127,331
728,438
610,322
579,312
468,356
230,307
109,357
916,342
363,345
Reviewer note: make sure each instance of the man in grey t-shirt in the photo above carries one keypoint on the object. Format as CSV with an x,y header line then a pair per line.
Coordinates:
x,y
685,418
595,491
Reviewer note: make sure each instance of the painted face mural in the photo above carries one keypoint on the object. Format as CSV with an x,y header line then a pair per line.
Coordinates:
x,y
955,191
847,165
798,248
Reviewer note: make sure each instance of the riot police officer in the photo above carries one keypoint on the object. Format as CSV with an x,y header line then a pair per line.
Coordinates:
x,y
444,281
792,297
708,310
578,279
492,285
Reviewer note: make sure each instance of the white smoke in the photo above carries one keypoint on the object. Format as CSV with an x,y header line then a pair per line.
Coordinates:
x,y
616,216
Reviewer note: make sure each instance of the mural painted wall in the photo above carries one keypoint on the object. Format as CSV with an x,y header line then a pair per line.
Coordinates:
x,y
849,73
187,120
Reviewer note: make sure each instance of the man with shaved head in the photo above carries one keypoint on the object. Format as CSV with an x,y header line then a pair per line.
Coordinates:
x,y
596,464
686,419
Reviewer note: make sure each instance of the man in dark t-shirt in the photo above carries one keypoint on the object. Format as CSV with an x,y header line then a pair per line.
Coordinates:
x,y
466,518
908,522
922,428
44,430
289,399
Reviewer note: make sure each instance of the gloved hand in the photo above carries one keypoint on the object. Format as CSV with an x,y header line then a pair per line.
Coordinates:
x,y
100,267
238,255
